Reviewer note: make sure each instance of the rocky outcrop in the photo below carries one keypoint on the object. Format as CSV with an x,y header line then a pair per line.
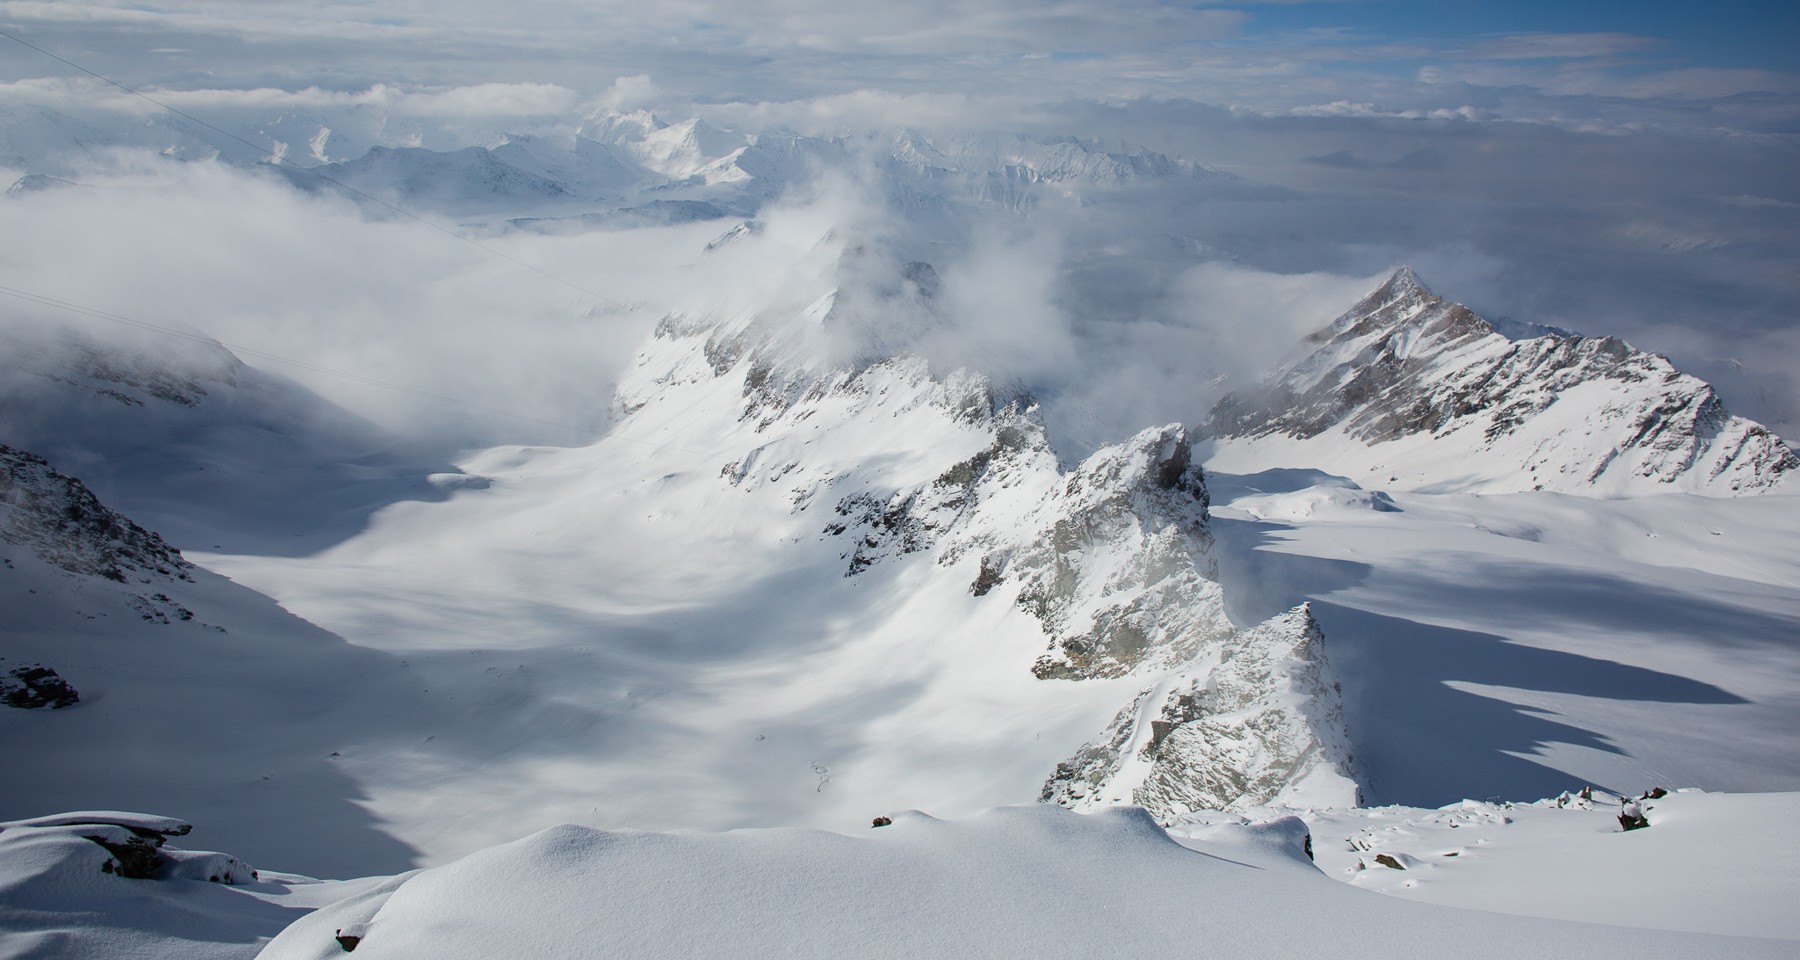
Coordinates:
x,y
1255,720
33,685
65,525
1122,575
1552,412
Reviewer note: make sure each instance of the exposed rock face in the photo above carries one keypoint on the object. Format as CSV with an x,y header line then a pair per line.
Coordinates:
x,y
1122,575
1253,720
60,520
1555,412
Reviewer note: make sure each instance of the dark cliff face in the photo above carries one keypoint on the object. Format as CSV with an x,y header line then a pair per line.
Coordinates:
x,y
60,520
1405,362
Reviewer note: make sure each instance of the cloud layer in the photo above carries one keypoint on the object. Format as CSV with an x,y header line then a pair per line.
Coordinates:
x,y
1592,179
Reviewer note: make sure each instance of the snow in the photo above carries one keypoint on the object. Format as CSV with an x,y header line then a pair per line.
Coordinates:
x,y
56,901
1709,862
1499,646
136,821
456,653
1410,391
805,579
1007,882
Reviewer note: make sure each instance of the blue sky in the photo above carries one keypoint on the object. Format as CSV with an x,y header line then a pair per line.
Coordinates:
x,y
1730,33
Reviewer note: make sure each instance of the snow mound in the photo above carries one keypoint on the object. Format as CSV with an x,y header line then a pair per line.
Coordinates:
x,y
104,884
1032,881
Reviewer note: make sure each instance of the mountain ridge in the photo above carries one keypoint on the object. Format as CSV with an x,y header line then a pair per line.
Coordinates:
x,y
1568,413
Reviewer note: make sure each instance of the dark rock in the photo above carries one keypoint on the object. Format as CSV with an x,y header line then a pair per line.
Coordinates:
x,y
989,578
135,859
881,822
1631,817
348,941
34,685
1389,861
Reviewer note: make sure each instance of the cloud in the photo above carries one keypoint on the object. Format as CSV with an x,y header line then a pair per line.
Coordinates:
x,y
1592,180
1561,46
249,261
928,26
476,100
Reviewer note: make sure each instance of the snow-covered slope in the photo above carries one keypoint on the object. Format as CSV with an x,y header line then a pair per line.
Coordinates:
x,y
190,691
1503,647
1012,879
1411,391
1009,882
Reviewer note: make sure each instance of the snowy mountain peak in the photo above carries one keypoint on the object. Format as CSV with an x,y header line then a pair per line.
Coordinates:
x,y
610,127
1406,312
1404,283
1409,388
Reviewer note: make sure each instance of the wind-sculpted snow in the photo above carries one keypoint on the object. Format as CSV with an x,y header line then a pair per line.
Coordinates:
x,y
109,884
1707,863
1008,882
1415,390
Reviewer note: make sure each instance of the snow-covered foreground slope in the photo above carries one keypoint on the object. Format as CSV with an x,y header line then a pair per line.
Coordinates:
x,y
1008,882
1704,879
1710,863
1411,391
109,884
1707,862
